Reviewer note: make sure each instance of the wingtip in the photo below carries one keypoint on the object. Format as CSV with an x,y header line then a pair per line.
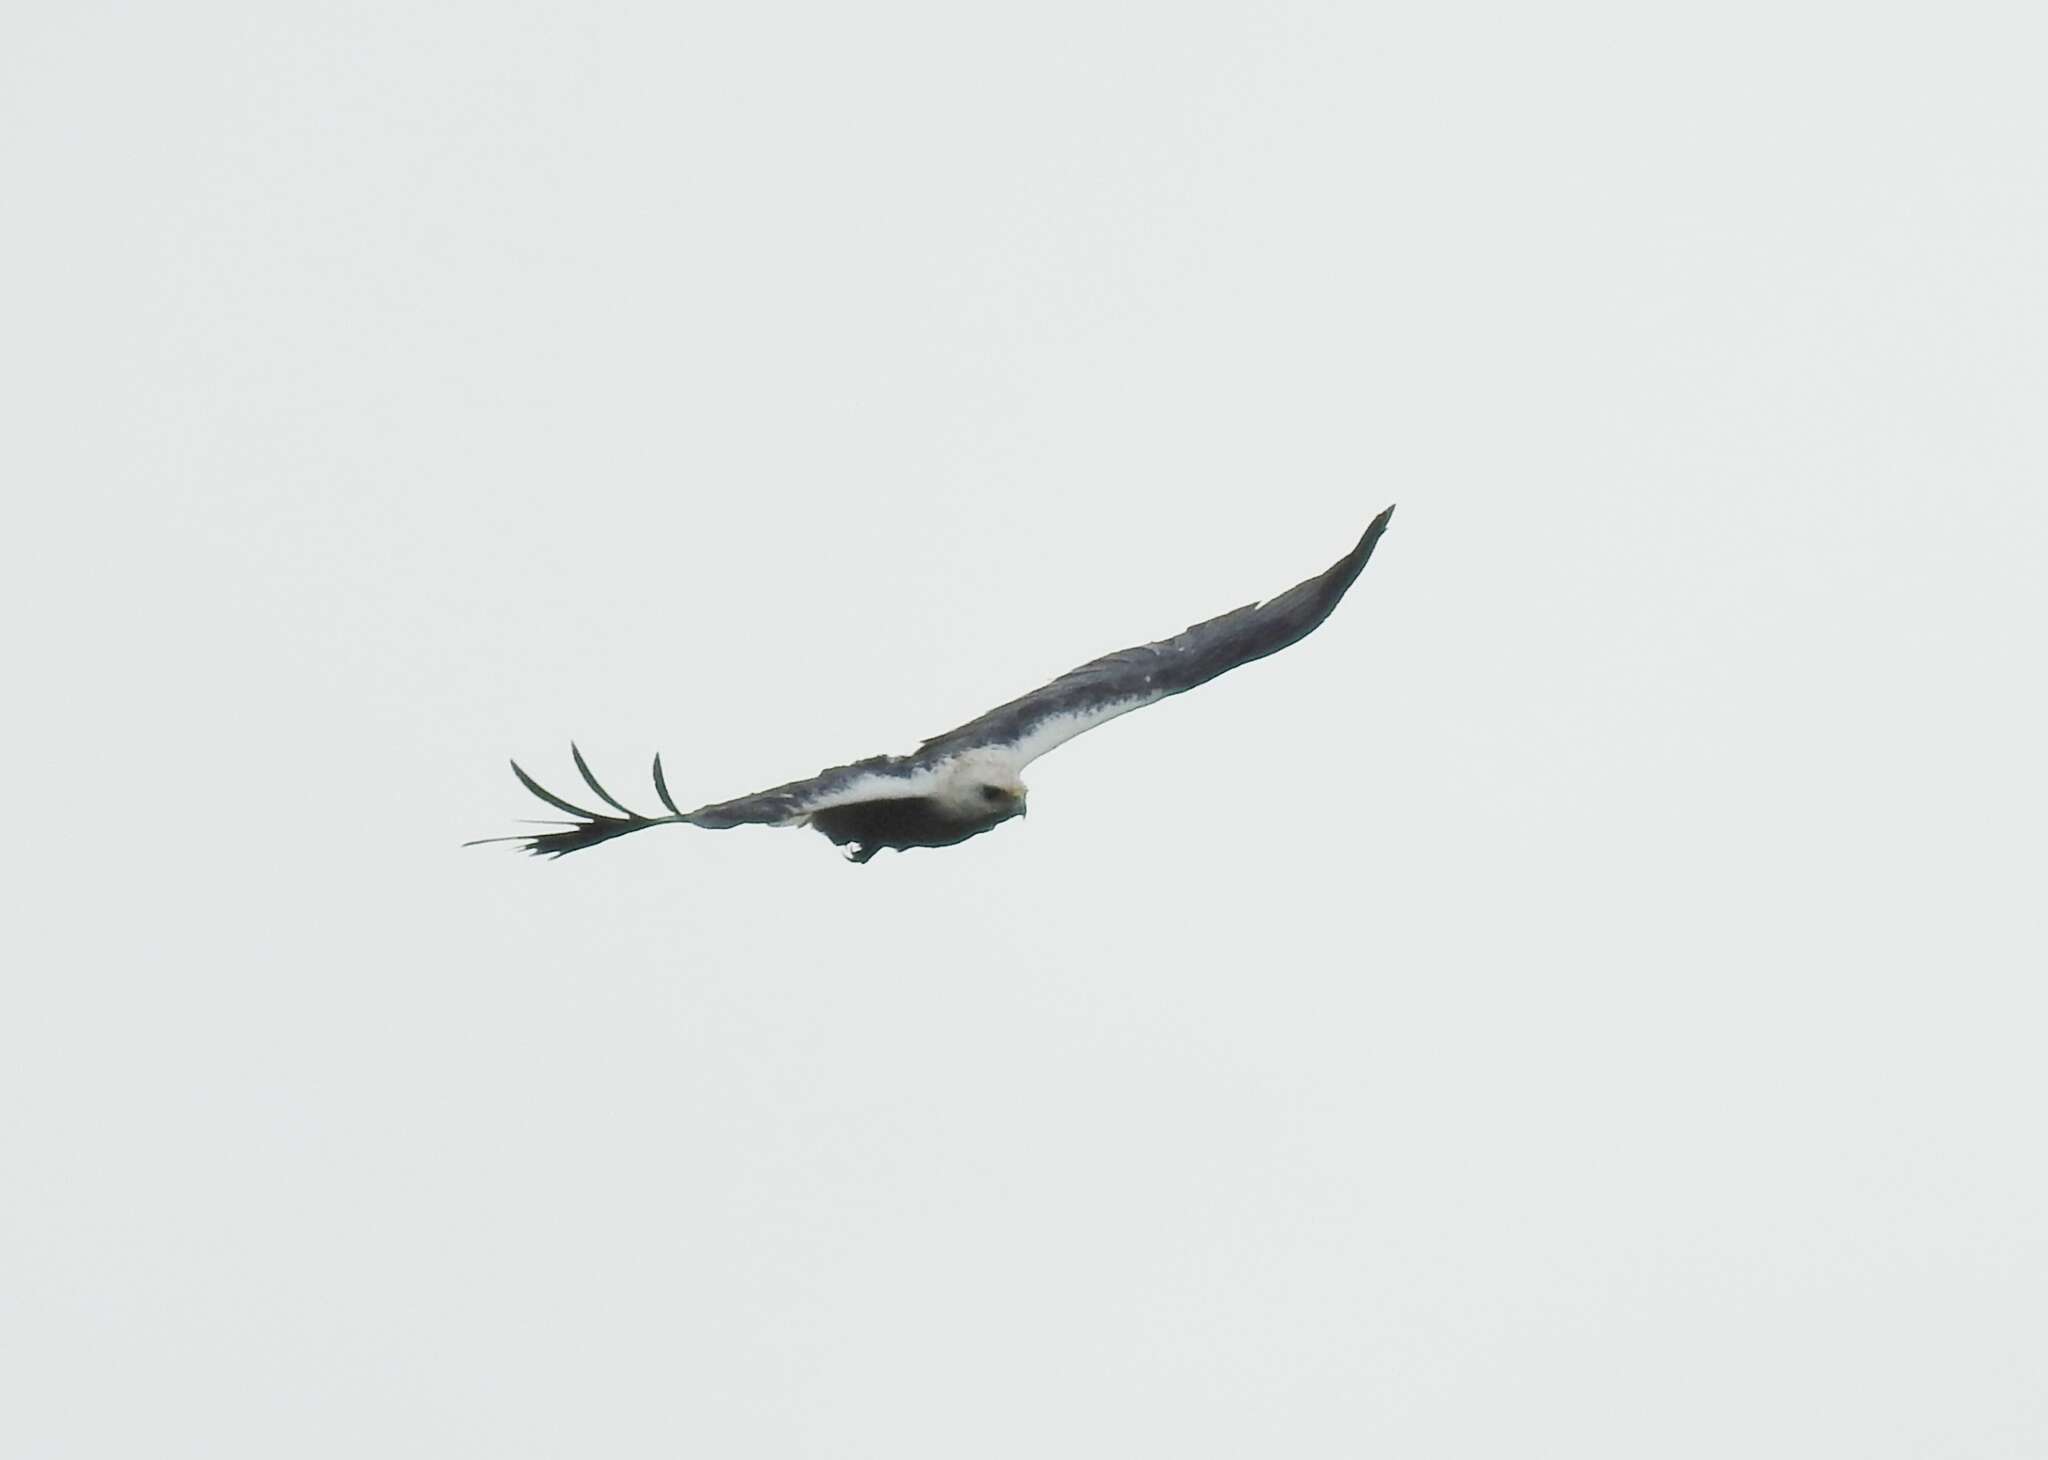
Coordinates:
x,y
1372,533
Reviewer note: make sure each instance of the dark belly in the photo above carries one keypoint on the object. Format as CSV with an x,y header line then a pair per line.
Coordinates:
x,y
909,821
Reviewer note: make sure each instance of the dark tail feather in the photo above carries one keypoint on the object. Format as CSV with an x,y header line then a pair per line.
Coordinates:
x,y
590,827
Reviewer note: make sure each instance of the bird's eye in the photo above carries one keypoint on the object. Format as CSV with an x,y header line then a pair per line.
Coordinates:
x,y
991,793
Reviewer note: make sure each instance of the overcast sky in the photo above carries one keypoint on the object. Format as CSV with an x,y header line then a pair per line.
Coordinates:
x,y
1585,1000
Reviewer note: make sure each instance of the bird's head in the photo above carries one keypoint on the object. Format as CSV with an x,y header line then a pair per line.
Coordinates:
x,y
1000,798
983,788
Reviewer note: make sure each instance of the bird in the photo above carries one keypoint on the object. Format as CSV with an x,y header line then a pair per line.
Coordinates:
x,y
964,782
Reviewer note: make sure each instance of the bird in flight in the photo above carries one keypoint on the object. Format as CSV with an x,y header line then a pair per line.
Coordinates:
x,y
965,782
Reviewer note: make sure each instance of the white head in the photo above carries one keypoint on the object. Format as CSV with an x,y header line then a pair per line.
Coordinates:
x,y
981,785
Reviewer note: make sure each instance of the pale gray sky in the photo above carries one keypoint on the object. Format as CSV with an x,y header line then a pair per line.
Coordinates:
x,y
1586,1000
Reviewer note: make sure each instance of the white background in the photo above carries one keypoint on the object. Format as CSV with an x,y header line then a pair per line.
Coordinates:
x,y
1586,1000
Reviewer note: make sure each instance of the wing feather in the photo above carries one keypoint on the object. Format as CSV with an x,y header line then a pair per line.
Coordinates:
x,y
661,789
583,770
1129,679
549,796
879,778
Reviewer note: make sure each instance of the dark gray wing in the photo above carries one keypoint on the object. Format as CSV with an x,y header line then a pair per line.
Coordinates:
x,y
882,777
1129,679
878,778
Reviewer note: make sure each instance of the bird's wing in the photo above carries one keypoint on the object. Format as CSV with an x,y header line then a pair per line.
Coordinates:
x,y
883,777
879,778
1129,679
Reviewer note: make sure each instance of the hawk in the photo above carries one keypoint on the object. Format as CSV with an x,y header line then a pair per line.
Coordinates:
x,y
965,782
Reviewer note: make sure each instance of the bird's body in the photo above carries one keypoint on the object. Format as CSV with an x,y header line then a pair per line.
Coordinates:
x,y
965,782
902,822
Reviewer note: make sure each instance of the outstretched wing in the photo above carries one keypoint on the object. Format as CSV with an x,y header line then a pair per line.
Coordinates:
x,y
590,827
1130,679
879,778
